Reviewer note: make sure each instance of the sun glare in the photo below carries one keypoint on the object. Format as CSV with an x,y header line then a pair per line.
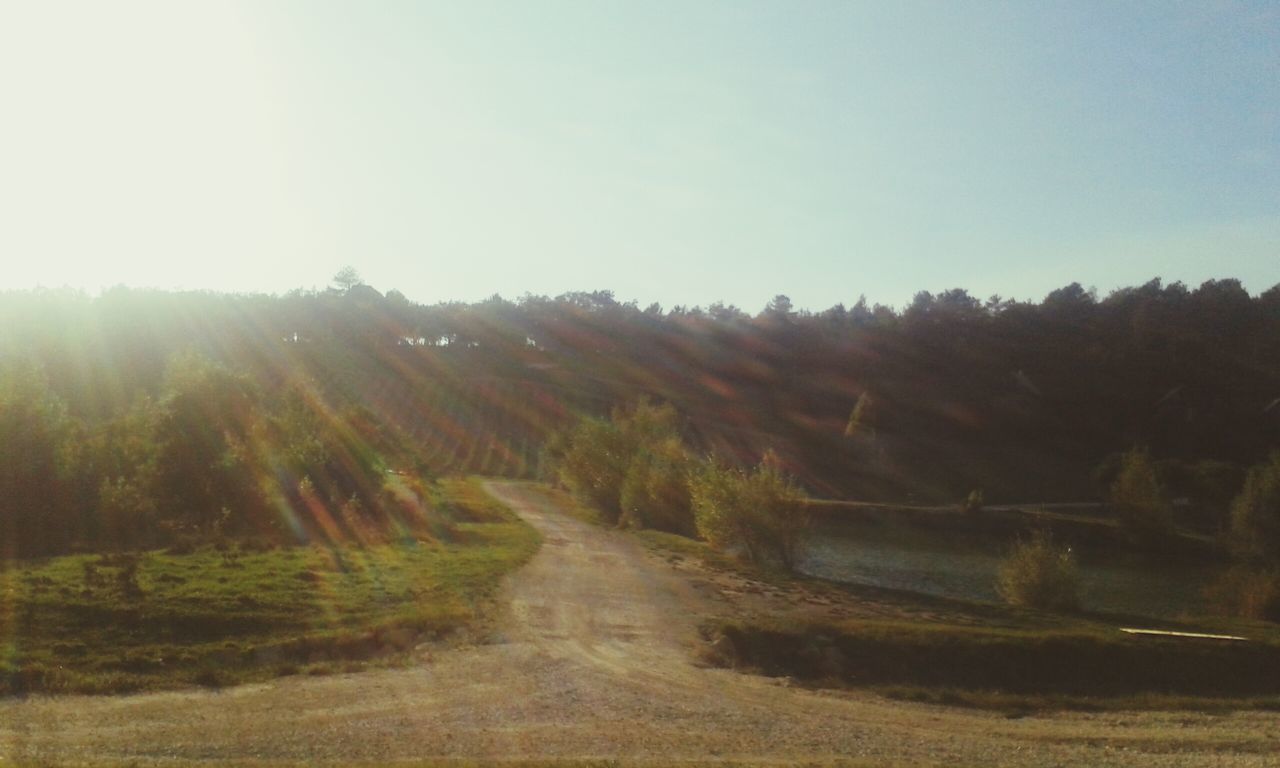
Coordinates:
x,y
140,145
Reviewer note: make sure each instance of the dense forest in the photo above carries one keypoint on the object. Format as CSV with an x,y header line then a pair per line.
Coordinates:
x,y
140,414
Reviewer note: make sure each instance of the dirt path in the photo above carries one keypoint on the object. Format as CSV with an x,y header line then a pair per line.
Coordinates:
x,y
595,662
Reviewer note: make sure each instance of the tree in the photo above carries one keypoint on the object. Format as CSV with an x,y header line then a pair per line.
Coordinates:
x,y
1255,513
35,466
1138,499
760,511
347,278
205,462
779,308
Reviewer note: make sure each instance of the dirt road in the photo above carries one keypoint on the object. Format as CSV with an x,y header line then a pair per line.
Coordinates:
x,y
594,661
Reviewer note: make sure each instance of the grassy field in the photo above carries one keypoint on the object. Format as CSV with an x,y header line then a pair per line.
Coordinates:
x,y
233,612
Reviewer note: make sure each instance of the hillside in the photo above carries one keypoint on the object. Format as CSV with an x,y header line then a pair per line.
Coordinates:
x,y
1026,401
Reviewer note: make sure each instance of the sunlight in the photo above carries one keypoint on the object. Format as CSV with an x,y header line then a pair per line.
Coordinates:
x,y
141,144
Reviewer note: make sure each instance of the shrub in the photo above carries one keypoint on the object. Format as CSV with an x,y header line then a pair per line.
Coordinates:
x,y
595,465
1039,574
759,511
1255,513
598,456
655,491
1139,501
1249,593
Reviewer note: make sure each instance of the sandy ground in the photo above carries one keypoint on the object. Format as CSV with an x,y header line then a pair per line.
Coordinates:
x,y
594,660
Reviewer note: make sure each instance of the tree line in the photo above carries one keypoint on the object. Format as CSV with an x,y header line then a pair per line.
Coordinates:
x,y
106,397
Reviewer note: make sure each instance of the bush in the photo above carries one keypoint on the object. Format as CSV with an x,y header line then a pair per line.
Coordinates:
x,y
1039,574
759,511
636,454
595,465
655,491
1139,501
1249,593
1255,513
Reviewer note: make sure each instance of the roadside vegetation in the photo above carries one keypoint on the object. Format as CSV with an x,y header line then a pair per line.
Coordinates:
x,y
239,610
635,470
758,510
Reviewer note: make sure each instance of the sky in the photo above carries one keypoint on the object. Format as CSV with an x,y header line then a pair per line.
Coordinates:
x,y
680,152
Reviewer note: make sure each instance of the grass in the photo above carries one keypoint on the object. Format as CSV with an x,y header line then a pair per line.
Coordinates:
x,y
230,614
1097,532
1076,667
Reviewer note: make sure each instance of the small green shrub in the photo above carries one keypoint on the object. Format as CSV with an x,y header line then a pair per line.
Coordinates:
x,y
760,511
655,491
1040,574
1248,593
1139,500
1255,513
631,467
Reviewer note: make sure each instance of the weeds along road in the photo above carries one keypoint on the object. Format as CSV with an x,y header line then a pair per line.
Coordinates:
x,y
594,660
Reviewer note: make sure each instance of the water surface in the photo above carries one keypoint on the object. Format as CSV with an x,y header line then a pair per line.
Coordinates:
x,y
966,568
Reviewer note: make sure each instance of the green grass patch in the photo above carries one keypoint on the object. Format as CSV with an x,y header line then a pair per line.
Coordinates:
x,y
1085,667
229,614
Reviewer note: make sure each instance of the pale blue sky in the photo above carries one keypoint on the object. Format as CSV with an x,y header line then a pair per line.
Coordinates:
x,y
680,152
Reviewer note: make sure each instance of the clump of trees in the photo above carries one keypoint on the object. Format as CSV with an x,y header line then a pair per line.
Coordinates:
x,y
635,469
1039,573
758,510
632,467
208,455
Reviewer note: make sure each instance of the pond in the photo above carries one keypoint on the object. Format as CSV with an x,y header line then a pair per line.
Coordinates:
x,y
966,568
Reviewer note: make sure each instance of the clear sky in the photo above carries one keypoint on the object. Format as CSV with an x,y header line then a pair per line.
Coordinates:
x,y
681,152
